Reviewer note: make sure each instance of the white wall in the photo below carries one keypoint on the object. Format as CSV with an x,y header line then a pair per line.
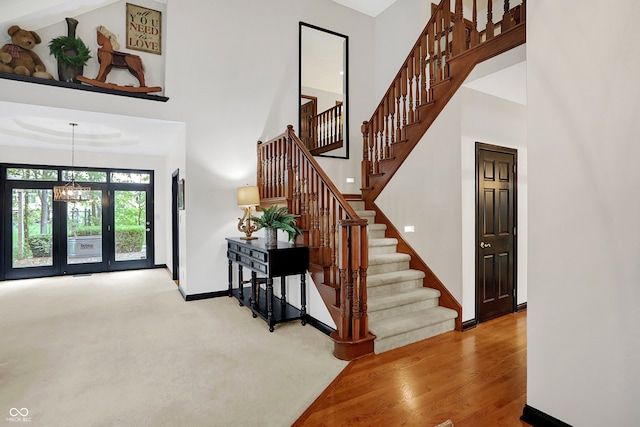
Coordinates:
x,y
426,193
245,89
583,127
175,160
491,120
396,31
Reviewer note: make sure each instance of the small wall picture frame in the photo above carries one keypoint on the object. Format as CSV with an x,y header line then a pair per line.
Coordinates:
x,y
181,194
144,29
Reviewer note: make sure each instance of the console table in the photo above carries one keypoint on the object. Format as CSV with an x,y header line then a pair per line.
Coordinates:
x,y
283,260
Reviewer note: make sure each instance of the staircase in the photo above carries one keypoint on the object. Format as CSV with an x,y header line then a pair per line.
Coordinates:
x,y
401,311
379,298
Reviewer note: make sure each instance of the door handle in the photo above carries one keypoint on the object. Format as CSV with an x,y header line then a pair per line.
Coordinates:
x,y
484,245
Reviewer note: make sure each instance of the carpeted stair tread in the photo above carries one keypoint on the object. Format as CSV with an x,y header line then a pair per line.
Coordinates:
x,y
393,277
375,303
411,321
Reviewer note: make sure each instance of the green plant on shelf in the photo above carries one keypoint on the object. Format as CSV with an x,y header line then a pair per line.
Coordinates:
x,y
277,217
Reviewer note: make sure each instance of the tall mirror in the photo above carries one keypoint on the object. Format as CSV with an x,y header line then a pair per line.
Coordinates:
x,y
323,76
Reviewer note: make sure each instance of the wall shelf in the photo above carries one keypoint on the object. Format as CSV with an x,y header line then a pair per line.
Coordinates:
x,y
80,86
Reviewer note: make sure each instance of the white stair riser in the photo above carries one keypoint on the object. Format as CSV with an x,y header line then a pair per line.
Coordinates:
x,y
378,315
387,267
370,216
393,288
382,250
357,205
376,234
396,341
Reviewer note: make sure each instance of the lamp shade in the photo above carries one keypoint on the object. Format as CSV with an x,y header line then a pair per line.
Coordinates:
x,y
248,196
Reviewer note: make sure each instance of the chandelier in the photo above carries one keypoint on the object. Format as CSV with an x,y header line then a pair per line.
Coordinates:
x,y
71,192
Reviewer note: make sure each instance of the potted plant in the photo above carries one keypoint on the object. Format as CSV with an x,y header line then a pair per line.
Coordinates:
x,y
70,52
276,218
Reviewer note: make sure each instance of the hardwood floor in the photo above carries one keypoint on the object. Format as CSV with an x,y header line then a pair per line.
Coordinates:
x,y
475,378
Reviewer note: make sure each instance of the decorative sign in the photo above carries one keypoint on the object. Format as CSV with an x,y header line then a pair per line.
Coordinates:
x,y
144,28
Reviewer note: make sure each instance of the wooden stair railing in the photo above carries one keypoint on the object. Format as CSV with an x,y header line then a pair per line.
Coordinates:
x,y
441,59
444,55
336,236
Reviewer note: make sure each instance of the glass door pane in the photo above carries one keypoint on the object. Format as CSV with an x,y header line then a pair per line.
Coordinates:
x,y
130,225
32,238
84,230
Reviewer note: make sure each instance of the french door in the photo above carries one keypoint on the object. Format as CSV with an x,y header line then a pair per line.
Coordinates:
x,y
110,230
84,247
132,228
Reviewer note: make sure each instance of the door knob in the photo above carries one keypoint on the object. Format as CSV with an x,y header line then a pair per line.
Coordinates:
x,y
485,245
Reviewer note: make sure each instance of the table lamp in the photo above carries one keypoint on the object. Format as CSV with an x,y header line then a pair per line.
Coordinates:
x,y
248,197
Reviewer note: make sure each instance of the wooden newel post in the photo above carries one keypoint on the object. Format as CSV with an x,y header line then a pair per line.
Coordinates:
x,y
352,339
346,290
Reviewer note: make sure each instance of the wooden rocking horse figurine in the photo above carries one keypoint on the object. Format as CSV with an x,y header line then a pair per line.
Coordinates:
x,y
109,57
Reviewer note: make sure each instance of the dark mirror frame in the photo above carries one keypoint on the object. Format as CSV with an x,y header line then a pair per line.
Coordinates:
x,y
345,122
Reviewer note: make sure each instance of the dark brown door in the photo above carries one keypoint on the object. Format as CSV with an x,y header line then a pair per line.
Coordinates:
x,y
496,230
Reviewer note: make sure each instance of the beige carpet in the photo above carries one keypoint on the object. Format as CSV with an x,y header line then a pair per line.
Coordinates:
x,y
124,349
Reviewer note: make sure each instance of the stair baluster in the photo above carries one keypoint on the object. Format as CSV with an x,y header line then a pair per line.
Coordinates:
x,y
475,36
506,17
489,32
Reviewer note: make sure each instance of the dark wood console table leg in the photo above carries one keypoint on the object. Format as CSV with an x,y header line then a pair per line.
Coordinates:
x,y
303,299
254,292
270,303
230,278
283,291
240,285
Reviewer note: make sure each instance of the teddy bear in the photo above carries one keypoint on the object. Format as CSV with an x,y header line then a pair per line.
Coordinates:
x,y
18,57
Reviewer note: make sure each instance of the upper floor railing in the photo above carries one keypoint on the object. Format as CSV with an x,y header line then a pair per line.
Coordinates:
x,y
326,130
